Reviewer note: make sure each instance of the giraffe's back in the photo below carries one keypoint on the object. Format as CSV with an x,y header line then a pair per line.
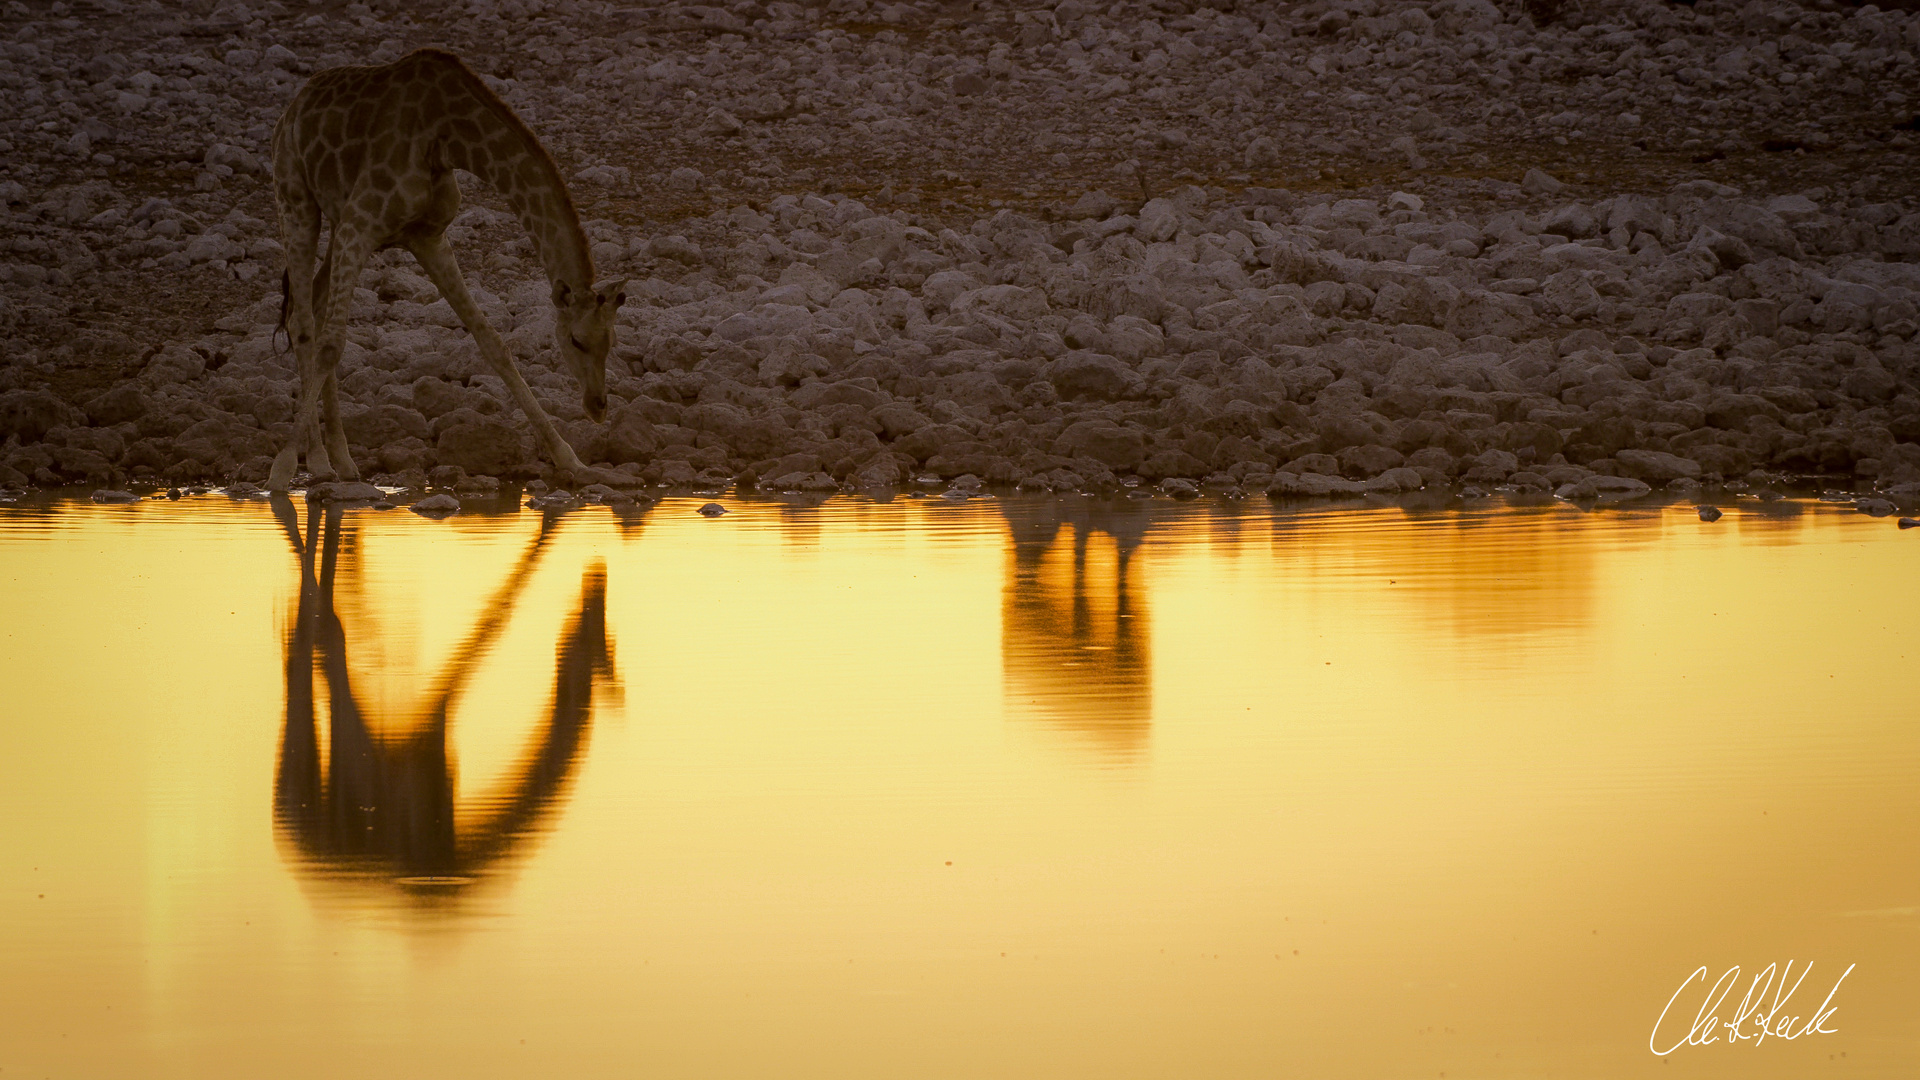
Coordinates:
x,y
373,139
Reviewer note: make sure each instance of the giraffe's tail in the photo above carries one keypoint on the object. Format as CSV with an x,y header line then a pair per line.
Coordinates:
x,y
286,303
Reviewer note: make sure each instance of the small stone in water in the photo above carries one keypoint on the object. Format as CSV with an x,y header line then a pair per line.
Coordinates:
x,y
106,496
173,493
1709,513
1908,523
1874,507
712,510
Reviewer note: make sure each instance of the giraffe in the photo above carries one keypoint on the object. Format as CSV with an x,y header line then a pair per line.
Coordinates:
x,y
373,150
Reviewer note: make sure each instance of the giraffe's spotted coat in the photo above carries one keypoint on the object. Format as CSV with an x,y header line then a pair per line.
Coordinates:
x,y
372,150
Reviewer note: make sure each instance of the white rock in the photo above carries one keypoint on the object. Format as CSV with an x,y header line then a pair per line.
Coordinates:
x,y
1537,182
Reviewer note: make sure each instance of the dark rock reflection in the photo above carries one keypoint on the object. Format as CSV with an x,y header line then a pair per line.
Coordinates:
x,y
1076,644
371,805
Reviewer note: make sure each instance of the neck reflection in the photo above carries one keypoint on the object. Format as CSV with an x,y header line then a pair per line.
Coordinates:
x,y
376,801
1076,644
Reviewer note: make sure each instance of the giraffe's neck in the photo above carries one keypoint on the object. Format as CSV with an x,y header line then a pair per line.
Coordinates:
x,y
507,156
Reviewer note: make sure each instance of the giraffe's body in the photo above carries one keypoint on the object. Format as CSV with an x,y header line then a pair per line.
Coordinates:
x,y
372,150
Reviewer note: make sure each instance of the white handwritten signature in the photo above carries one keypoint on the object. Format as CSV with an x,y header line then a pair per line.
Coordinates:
x,y
1755,1018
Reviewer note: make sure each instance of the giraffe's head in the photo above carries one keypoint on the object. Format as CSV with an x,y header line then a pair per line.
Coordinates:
x,y
583,321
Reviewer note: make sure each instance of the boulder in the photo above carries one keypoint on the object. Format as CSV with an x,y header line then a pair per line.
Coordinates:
x,y
29,413
1364,462
1118,448
1088,375
482,445
120,405
1655,466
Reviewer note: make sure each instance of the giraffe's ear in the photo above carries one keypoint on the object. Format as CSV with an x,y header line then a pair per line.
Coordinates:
x,y
561,293
614,292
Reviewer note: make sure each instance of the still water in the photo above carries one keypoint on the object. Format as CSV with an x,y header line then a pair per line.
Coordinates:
x,y
1005,788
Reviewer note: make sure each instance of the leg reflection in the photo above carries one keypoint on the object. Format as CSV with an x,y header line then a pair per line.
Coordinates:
x,y
365,804
1075,636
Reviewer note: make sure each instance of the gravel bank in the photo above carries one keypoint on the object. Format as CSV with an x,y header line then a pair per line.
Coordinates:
x,y
1313,249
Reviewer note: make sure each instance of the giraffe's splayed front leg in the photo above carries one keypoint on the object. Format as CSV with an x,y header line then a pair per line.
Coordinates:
x,y
334,449
319,465
287,464
340,458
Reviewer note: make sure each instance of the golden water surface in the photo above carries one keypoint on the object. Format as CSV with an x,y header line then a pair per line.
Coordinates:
x,y
1006,788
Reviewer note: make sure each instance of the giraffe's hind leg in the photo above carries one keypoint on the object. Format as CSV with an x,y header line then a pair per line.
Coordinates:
x,y
306,439
347,252
300,235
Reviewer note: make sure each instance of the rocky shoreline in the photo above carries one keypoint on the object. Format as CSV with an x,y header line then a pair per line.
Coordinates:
x,y
1298,249
487,497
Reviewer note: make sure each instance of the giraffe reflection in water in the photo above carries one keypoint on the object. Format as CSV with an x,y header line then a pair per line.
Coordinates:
x,y
372,805
1075,639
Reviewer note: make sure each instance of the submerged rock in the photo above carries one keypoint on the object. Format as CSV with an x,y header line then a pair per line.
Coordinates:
x,y
1603,488
1709,513
106,496
344,491
1874,507
711,510
1180,488
436,506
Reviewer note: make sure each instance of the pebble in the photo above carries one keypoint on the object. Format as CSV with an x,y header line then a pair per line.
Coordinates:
x,y
1709,513
106,496
711,510
1874,507
1908,523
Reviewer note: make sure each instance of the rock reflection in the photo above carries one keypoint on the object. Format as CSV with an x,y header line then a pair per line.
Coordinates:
x,y
364,804
1503,571
1075,642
